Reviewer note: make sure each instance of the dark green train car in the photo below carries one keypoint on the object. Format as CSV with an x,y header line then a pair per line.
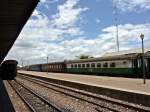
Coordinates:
x,y
126,65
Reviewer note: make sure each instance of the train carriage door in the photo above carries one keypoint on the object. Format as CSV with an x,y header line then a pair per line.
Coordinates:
x,y
135,65
147,60
148,67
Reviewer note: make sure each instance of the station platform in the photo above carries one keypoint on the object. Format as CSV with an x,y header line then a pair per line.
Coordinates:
x,y
126,84
128,89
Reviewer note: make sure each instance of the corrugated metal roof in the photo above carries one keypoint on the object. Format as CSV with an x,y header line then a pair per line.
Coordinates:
x,y
13,16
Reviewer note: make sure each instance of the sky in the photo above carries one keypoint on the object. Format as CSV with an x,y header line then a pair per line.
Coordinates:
x,y
65,29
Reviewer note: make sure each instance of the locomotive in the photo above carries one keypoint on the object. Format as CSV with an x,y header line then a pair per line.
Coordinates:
x,y
126,64
8,69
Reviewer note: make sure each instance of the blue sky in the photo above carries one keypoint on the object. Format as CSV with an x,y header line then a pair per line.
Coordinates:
x,y
64,29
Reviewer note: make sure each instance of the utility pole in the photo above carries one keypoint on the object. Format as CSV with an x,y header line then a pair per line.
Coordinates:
x,y
143,63
116,24
22,62
47,64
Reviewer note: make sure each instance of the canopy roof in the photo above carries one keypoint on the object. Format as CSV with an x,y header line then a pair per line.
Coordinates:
x,y
13,16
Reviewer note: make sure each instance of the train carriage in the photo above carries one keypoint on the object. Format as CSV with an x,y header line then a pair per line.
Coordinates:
x,y
126,65
53,67
104,65
147,63
36,67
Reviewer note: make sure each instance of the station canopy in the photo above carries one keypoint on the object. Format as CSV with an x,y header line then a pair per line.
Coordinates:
x,y
13,16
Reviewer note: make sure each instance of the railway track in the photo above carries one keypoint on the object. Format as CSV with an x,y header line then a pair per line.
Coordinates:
x,y
34,101
102,103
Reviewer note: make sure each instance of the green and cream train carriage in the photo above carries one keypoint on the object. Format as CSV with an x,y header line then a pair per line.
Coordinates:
x,y
126,64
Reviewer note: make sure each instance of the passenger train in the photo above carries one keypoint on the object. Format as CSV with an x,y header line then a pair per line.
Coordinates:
x,y
125,64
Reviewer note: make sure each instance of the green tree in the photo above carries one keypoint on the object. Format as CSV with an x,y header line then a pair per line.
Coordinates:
x,y
85,57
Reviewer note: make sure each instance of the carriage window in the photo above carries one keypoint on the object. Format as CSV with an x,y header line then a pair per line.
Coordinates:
x,y
93,65
71,66
79,65
83,65
99,65
75,66
112,65
105,65
124,62
87,65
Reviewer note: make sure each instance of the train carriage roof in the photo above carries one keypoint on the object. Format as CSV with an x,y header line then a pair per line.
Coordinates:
x,y
13,16
45,64
54,63
126,52
129,54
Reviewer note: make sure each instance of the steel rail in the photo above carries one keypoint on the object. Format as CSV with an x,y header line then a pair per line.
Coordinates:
x,y
124,104
32,108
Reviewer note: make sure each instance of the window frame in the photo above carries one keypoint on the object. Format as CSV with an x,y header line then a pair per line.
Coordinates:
x,y
87,65
83,66
98,65
113,65
72,66
75,66
79,65
105,65
92,65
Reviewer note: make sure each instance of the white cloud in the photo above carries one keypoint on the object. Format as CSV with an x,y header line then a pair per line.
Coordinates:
x,y
67,14
43,36
47,1
41,28
132,5
106,41
130,31
40,31
36,51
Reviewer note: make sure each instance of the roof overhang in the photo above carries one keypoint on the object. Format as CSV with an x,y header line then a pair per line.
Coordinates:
x,y
13,16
